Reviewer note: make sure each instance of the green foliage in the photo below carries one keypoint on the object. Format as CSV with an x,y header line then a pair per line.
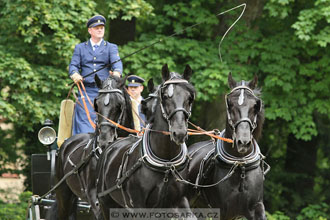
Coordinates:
x,y
279,8
177,52
313,212
127,9
278,215
313,23
39,38
15,211
286,46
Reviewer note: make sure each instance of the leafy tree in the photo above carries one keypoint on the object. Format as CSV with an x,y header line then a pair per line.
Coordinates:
x,y
284,42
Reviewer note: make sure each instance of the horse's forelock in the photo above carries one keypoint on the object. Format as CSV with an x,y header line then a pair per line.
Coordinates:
x,y
187,86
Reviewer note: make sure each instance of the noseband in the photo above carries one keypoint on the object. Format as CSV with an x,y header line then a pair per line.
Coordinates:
x,y
233,125
169,116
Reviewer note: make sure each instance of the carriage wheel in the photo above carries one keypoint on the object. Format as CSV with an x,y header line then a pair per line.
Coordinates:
x,y
33,212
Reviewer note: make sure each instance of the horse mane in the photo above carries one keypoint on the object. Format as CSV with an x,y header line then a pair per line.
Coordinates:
x,y
128,109
260,117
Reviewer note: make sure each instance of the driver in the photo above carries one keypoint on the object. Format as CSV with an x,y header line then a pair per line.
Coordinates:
x,y
87,57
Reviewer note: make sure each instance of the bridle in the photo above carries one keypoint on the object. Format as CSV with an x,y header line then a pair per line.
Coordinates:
x,y
253,124
108,89
166,116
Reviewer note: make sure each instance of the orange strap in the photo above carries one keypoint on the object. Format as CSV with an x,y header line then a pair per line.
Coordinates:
x,y
208,133
85,106
199,130
90,102
119,125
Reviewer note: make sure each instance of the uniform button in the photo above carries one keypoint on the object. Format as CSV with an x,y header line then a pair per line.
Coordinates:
x,y
94,58
94,64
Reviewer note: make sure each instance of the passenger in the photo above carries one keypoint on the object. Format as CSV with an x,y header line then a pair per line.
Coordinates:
x,y
135,88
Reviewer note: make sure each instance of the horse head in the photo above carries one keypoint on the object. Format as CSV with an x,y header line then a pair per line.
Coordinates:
x,y
244,114
176,96
110,104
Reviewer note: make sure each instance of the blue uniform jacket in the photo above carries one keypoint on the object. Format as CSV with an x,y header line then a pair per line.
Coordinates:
x,y
85,61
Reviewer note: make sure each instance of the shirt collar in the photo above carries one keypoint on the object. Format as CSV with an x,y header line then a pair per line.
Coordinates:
x,y
98,43
138,99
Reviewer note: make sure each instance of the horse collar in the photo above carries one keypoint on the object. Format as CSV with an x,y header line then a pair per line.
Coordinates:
x,y
159,164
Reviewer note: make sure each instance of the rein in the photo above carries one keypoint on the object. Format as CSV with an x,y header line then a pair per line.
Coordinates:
x,y
84,102
199,130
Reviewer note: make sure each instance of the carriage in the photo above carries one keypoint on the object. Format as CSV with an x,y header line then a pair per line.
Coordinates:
x,y
43,177
219,172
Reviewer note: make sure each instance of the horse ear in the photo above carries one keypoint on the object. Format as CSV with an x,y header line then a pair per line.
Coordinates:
x,y
98,81
122,82
187,72
95,105
151,86
253,83
165,73
231,82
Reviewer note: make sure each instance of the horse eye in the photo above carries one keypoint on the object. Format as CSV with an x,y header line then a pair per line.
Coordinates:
x,y
165,96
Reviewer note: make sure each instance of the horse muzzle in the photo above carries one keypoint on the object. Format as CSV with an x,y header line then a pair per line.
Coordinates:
x,y
243,138
178,136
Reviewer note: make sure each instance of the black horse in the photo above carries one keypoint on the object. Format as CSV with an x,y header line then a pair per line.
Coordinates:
x,y
136,172
83,150
230,175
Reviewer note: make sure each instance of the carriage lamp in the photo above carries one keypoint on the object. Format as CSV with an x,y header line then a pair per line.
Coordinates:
x,y
47,134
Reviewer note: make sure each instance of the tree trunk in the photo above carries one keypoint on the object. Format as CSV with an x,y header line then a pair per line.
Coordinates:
x,y
121,32
300,163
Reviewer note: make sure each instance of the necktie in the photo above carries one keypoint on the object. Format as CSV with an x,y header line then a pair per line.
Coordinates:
x,y
96,47
135,112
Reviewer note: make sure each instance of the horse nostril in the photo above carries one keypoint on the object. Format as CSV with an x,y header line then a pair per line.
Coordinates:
x,y
244,142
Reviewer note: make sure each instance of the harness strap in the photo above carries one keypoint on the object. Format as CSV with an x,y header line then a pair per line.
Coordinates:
x,y
74,171
180,179
122,179
164,189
